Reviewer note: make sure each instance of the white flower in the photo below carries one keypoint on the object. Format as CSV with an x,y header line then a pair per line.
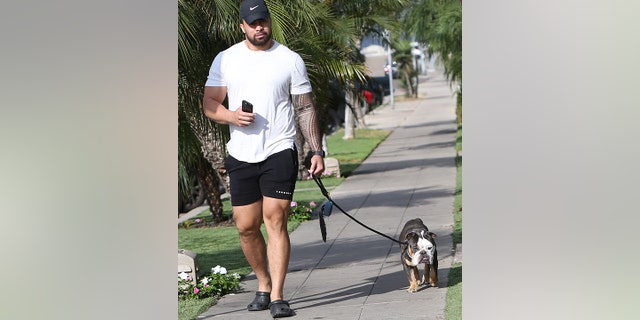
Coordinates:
x,y
236,275
205,280
183,276
219,269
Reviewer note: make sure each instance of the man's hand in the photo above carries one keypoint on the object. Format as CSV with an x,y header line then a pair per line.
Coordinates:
x,y
241,118
317,166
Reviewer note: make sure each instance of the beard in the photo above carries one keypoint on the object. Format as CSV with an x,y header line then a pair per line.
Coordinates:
x,y
260,43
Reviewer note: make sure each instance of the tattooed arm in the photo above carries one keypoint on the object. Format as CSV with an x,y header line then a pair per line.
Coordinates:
x,y
305,115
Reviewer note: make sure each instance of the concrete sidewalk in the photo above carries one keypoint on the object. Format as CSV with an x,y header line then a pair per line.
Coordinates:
x,y
357,274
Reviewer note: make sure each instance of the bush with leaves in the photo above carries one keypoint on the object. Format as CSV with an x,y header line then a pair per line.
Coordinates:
x,y
301,211
216,284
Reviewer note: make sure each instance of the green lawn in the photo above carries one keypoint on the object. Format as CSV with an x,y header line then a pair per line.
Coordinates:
x,y
453,310
219,245
350,152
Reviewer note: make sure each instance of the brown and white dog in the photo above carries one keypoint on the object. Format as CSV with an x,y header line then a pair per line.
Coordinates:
x,y
419,249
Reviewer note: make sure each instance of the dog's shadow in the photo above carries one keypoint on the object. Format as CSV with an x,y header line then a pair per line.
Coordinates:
x,y
398,281
385,283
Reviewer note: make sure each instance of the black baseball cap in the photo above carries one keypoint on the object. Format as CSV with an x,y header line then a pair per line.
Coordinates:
x,y
252,10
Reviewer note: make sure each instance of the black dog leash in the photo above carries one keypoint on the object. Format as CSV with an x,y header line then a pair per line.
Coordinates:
x,y
323,227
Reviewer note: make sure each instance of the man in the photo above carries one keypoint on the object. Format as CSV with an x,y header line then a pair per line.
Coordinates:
x,y
262,161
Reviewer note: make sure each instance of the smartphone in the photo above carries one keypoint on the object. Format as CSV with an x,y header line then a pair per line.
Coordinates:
x,y
247,106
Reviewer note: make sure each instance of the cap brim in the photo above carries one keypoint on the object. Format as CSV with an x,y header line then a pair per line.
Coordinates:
x,y
256,16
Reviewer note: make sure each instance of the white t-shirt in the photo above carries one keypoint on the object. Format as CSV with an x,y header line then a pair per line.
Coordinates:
x,y
266,79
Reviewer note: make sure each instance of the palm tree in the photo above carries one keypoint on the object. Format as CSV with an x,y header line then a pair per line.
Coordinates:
x,y
407,71
438,23
200,141
323,38
364,17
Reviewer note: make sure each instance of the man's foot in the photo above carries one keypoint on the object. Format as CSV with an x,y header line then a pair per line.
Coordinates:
x,y
260,302
280,309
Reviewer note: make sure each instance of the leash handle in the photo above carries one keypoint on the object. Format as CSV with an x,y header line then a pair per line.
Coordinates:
x,y
326,194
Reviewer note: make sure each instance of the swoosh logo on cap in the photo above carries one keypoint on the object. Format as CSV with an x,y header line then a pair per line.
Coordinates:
x,y
251,8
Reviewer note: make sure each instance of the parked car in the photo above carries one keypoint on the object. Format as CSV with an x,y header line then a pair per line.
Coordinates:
x,y
394,69
371,91
194,199
384,84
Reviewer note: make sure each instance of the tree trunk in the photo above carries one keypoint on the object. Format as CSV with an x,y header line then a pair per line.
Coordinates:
x,y
349,132
359,102
212,170
211,185
407,78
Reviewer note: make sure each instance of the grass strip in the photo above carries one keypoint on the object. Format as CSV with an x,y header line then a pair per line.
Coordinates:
x,y
190,309
453,309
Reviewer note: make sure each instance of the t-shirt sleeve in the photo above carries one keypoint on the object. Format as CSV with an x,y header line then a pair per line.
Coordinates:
x,y
215,78
299,79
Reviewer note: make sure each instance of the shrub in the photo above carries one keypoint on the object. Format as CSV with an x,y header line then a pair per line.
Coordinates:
x,y
216,284
301,211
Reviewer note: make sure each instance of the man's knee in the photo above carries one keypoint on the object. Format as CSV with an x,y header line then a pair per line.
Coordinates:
x,y
248,229
276,209
276,221
248,219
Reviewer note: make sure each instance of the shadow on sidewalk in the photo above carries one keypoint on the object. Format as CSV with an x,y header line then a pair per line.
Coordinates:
x,y
383,284
405,164
429,124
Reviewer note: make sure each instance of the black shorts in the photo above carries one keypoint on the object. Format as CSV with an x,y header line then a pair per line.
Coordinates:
x,y
274,177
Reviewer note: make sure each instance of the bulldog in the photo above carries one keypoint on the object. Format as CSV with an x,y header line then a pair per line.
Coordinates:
x,y
420,248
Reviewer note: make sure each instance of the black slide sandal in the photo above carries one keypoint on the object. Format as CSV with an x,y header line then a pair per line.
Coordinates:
x,y
260,302
280,309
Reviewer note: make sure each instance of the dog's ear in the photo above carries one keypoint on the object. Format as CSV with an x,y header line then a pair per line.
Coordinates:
x,y
410,235
433,235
